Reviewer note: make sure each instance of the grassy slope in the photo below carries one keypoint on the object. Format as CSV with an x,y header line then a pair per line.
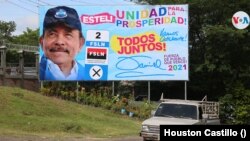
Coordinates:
x,y
24,112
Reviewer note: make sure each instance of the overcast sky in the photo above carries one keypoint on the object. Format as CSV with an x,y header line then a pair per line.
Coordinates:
x,y
25,12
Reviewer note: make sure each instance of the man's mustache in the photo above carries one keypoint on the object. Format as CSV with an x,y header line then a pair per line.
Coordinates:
x,y
59,49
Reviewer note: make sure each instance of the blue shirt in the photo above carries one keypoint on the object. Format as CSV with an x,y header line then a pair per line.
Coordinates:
x,y
51,71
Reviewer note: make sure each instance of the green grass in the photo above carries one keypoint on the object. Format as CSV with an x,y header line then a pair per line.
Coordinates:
x,y
24,112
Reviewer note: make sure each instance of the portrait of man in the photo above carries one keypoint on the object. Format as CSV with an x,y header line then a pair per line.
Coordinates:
x,y
61,41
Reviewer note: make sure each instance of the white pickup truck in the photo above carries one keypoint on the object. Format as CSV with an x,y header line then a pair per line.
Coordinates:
x,y
179,112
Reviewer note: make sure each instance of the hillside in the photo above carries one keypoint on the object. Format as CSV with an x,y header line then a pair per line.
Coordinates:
x,y
24,112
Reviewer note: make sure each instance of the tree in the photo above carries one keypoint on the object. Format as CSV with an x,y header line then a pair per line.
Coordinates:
x,y
219,53
235,105
29,37
217,49
6,28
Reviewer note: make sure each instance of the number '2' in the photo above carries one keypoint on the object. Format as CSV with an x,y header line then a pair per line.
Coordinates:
x,y
98,35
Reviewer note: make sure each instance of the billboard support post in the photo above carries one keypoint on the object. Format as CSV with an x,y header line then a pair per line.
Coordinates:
x,y
185,90
113,88
149,91
77,92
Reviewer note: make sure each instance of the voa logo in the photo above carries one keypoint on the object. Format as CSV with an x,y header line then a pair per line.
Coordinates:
x,y
240,20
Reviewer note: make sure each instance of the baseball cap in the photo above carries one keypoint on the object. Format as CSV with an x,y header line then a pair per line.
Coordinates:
x,y
62,15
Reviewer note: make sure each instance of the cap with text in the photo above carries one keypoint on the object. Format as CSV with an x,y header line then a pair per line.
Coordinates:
x,y
62,15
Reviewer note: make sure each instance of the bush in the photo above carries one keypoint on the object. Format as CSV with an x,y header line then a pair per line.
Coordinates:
x,y
99,98
235,106
45,91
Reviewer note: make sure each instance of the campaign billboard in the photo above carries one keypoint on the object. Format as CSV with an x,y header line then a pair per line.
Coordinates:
x,y
139,42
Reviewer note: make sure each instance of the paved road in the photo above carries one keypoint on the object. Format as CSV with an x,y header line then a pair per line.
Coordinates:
x,y
36,138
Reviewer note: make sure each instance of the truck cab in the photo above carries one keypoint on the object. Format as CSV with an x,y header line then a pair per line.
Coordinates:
x,y
179,112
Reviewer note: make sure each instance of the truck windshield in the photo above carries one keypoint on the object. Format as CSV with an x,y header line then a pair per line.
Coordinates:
x,y
177,111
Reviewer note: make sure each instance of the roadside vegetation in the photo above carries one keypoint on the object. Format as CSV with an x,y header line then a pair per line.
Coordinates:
x,y
234,106
100,97
28,113
218,64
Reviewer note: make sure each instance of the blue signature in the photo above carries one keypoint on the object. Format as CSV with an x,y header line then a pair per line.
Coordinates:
x,y
130,64
171,36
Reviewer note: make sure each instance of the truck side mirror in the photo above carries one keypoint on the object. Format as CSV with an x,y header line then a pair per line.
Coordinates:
x,y
152,112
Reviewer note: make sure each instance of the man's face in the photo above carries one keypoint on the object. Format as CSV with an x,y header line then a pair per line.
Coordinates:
x,y
61,44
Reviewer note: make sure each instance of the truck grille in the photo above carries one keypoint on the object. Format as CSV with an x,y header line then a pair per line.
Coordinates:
x,y
154,129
